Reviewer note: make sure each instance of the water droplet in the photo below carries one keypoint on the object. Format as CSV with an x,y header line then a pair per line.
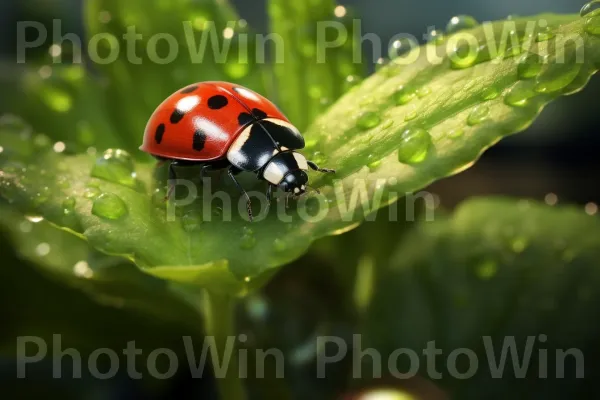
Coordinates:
x,y
115,166
400,47
520,94
455,133
373,166
423,92
478,115
544,35
69,205
590,7
560,71
387,124
463,55
512,51
460,22
530,66
414,146
91,192
487,270
368,120
382,62
592,24
109,206
279,245
490,93
411,114
191,221
436,37
404,96
248,240
41,197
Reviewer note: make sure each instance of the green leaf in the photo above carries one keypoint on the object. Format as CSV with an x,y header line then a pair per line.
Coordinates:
x,y
314,56
500,268
119,208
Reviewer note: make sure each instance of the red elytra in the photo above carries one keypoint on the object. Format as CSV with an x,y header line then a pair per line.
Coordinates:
x,y
199,122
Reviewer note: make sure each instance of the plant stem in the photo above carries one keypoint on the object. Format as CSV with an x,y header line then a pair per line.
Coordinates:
x,y
219,313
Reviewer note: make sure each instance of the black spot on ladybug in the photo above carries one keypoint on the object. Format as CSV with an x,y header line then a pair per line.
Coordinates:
x,y
199,140
259,114
189,89
217,102
176,116
160,131
245,118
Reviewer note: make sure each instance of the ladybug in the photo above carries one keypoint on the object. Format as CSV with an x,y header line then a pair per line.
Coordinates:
x,y
220,125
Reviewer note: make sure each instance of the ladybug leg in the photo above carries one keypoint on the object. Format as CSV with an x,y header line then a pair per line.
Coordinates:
x,y
315,167
231,172
203,171
172,177
269,198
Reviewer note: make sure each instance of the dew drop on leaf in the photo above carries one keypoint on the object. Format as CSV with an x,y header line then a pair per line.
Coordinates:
x,y
455,133
519,95
478,115
109,206
560,71
530,66
544,35
410,115
590,8
91,192
414,146
68,205
368,120
115,166
400,47
459,23
436,37
592,24
463,56
404,96
423,92
490,93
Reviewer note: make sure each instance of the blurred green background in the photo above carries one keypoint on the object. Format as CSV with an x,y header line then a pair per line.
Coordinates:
x,y
558,155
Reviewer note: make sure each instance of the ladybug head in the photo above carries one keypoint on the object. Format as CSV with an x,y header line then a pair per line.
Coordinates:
x,y
294,182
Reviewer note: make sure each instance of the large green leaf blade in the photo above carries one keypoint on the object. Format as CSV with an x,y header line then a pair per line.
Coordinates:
x,y
369,173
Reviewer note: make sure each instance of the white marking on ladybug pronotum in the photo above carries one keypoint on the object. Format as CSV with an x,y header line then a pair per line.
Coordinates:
x,y
273,173
301,160
187,104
